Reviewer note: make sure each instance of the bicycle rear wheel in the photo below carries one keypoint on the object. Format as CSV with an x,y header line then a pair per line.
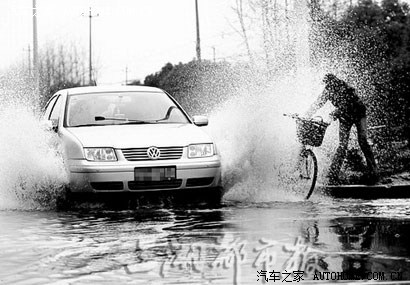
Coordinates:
x,y
308,171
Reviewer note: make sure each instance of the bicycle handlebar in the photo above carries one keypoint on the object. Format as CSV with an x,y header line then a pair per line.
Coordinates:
x,y
296,117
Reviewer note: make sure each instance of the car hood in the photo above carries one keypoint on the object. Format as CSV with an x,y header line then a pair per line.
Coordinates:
x,y
134,136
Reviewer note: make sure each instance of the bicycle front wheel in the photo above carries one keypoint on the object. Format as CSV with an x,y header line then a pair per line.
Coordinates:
x,y
308,171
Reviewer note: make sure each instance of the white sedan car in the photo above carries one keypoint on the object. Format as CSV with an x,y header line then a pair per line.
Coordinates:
x,y
132,139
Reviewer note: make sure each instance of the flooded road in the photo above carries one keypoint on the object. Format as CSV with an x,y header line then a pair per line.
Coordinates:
x,y
235,243
264,232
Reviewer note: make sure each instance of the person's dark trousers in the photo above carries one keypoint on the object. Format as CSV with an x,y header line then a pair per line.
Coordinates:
x,y
344,133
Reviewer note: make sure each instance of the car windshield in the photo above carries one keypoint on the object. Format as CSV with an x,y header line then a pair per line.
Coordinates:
x,y
122,108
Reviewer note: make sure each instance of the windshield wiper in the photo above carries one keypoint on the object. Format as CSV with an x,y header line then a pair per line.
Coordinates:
x,y
136,122
126,121
87,125
168,114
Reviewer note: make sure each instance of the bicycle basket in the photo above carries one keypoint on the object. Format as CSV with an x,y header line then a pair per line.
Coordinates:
x,y
311,132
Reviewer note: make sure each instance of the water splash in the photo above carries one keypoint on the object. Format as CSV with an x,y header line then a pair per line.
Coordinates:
x,y
253,137
32,173
256,142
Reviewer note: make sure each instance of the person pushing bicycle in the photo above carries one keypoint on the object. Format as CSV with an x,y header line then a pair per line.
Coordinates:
x,y
350,111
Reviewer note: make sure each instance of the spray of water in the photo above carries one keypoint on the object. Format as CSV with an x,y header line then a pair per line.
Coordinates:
x,y
257,143
32,174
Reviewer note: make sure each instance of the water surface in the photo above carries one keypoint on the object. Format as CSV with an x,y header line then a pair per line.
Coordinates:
x,y
205,244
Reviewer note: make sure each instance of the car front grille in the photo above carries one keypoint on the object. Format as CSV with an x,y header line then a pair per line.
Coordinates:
x,y
138,154
147,185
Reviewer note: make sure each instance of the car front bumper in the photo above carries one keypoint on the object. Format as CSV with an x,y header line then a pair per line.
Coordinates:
x,y
86,176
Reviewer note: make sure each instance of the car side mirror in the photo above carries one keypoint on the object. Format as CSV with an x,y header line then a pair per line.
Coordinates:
x,y
200,121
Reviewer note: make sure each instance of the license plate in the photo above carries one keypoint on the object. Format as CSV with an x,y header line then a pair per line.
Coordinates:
x,y
155,173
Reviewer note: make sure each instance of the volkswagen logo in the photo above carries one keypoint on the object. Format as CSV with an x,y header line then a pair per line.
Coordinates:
x,y
153,152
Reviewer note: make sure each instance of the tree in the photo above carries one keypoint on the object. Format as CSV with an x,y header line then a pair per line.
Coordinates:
x,y
61,66
243,29
155,79
198,86
135,82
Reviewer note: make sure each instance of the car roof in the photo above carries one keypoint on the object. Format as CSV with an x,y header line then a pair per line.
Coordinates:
x,y
110,88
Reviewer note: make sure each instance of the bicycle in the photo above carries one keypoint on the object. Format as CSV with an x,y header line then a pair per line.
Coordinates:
x,y
310,133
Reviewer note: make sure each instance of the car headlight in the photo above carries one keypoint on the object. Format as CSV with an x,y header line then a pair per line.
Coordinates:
x,y
200,150
100,154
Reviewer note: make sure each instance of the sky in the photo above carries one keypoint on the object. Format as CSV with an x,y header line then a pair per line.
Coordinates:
x,y
137,35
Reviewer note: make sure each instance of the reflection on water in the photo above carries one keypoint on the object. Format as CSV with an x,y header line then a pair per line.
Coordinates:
x,y
199,245
374,245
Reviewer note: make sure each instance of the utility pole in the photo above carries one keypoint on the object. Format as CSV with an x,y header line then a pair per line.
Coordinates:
x,y
35,52
213,49
90,68
29,59
198,41
335,7
126,75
